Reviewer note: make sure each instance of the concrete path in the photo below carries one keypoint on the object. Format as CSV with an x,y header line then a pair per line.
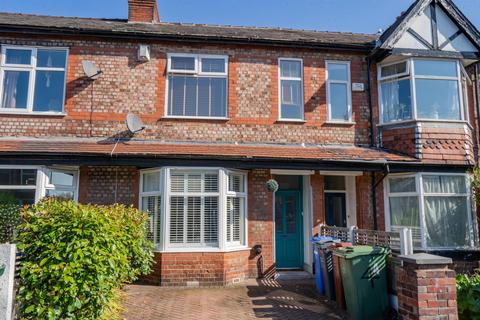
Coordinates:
x,y
294,299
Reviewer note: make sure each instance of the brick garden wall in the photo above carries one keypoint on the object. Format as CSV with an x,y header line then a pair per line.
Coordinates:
x,y
426,292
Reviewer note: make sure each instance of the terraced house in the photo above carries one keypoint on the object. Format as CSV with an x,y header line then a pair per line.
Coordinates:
x,y
374,131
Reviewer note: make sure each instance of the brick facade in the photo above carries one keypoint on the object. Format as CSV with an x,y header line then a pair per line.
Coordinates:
x,y
99,109
107,185
260,224
446,143
199,269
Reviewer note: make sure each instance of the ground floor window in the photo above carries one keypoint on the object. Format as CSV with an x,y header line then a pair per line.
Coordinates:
x,y
437,207
28,184
194,208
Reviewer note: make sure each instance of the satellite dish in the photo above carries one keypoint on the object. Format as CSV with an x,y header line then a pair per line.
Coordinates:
x,y
134,124
91,70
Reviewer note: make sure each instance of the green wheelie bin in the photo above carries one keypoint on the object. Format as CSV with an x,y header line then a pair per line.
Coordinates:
x,y
364,277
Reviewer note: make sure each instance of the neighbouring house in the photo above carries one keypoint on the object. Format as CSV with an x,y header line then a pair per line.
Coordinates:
x,y
374,131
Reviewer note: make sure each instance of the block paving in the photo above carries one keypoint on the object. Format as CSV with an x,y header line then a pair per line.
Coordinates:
x,y
254,299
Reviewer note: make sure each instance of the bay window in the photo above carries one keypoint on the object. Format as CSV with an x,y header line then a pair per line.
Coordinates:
x,y
194,209
28,184
32,80
421,89
197,86
436,207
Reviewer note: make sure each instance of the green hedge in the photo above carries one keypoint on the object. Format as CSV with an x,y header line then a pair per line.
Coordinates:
x,y
468,296
9,221
77,256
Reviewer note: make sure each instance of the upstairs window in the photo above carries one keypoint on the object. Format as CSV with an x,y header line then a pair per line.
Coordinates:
x,y
291,89
32,79
339,95
197,86
422,89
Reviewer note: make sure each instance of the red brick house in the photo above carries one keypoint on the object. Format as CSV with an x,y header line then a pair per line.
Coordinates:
x,y
372,131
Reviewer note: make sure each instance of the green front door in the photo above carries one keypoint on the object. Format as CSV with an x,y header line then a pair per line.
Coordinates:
x,y
288,230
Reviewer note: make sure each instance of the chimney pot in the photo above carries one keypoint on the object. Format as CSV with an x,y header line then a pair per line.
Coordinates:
x,y
145,11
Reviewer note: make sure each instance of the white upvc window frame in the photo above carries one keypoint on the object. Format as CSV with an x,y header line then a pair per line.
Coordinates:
x,y
280,93
51,186
43,180
348,83
32,69
159,193
421,196
410,75
185,195
162,239
243,215
197,72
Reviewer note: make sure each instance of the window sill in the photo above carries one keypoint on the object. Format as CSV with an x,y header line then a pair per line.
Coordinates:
x,y
298,121
387,124
195,118
201,250
344,123
24,113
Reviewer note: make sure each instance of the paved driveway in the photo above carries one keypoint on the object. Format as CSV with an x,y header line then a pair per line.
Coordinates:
x,y
266,299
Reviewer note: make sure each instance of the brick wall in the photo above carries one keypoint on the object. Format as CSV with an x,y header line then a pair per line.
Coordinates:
x,y
260,222
107,185
98,109
400,139
364,202
431,142
452,144
143,11
426,292
199,268
318,201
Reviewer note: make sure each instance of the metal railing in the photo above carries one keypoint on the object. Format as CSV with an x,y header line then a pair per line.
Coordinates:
x,y
400,242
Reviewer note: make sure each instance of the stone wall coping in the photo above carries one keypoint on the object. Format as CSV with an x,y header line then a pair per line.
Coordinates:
x,y
425,259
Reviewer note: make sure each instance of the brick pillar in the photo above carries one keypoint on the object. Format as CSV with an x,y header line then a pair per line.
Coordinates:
x,y
426,288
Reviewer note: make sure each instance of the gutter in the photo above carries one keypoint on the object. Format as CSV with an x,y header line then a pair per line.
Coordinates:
x,y
135,36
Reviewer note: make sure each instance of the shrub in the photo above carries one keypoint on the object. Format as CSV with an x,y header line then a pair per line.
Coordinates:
x,y
9,217
468,296
77,257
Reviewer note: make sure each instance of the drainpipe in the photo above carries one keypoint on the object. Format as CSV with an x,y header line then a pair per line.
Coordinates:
x,y
372,141
477,98
370,101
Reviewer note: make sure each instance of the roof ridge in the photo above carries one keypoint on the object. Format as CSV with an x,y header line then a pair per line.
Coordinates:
x,y
195,24
63,17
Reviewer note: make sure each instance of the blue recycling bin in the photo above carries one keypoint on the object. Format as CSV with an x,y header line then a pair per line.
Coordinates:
x,y
318,243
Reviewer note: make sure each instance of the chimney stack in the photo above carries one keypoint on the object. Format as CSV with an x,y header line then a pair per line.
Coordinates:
x,y
145,11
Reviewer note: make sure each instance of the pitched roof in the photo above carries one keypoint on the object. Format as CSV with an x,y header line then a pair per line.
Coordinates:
x,y
156,149
175,31
402,21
